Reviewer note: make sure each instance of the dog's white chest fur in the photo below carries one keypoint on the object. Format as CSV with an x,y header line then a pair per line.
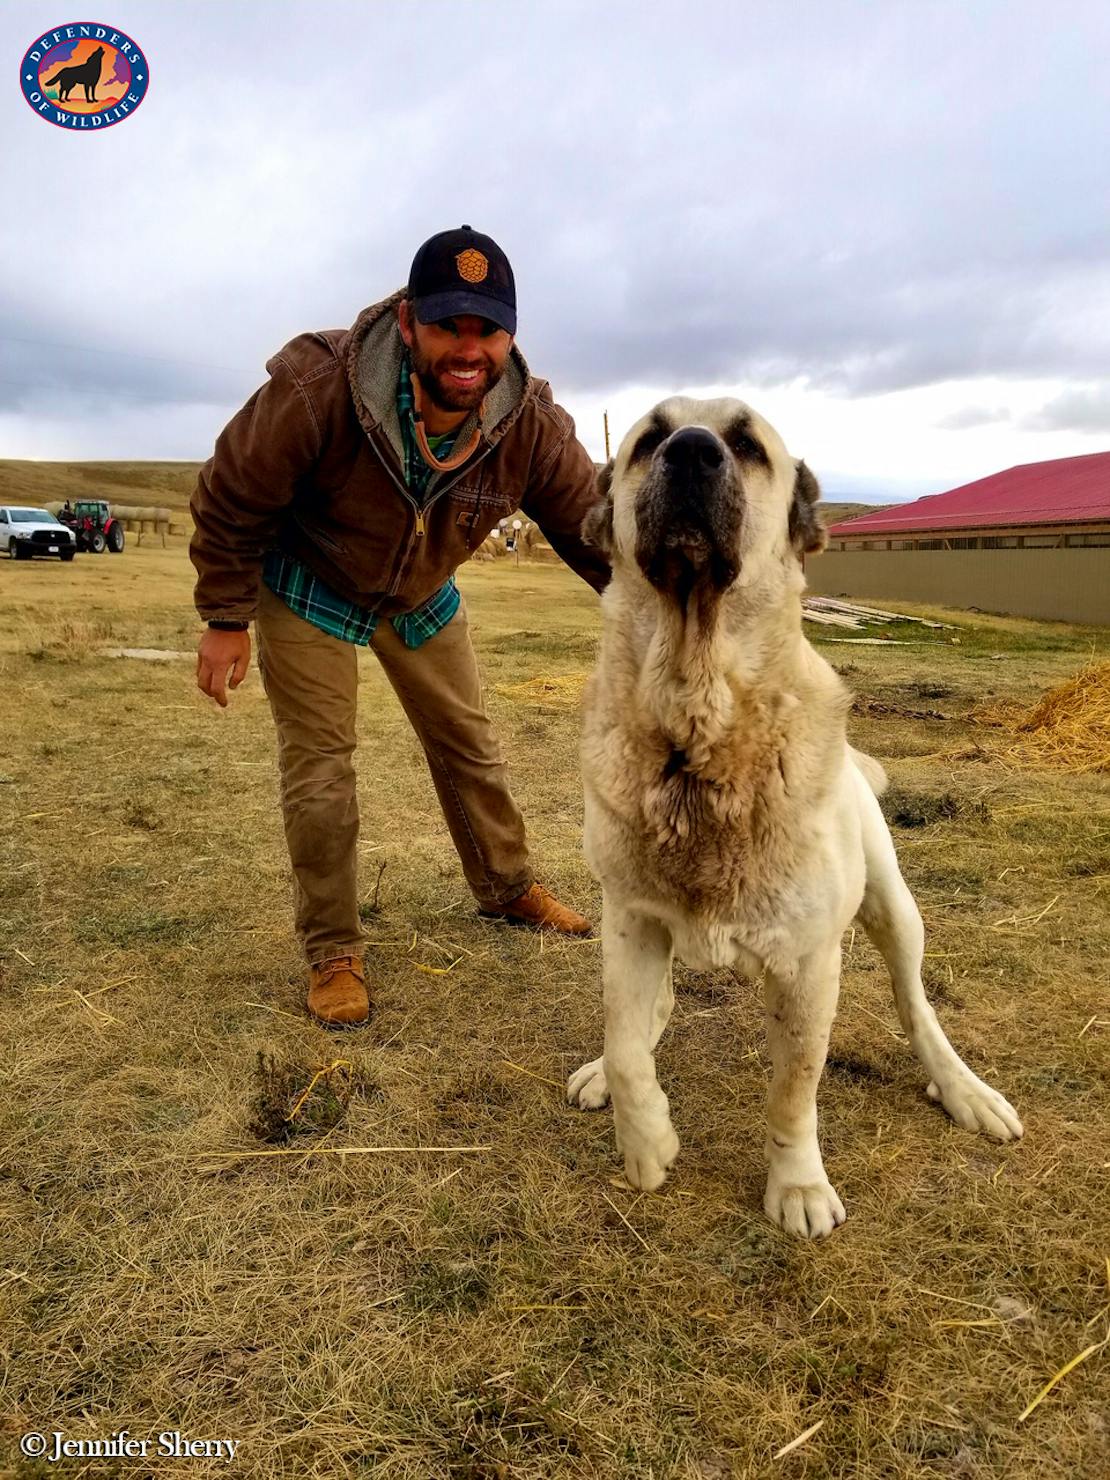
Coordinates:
x,y
708,948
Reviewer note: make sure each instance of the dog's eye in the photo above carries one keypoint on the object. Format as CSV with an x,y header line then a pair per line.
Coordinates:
x,y
647,443
746,447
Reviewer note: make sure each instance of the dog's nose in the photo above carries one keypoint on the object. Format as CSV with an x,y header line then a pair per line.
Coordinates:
x,y
693,448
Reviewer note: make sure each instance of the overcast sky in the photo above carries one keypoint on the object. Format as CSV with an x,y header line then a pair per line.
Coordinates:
x,y
883,224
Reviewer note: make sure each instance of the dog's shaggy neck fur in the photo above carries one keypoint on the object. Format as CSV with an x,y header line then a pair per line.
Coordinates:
x,y
723,715
703,667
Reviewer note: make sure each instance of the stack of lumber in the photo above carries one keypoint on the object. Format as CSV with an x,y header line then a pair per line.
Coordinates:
x,y
829,612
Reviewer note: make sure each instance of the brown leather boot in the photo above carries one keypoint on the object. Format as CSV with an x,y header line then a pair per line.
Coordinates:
x,y
538,908
337,995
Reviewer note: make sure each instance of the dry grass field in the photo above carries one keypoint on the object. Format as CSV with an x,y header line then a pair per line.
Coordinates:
x,y
176,1252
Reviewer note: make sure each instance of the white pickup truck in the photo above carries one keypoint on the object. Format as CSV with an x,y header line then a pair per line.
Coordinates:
x,y
28,532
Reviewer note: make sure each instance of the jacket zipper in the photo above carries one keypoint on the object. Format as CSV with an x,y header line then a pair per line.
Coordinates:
x,y
420,526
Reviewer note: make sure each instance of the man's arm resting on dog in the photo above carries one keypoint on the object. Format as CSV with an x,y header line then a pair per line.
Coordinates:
x,y
563,494
241,494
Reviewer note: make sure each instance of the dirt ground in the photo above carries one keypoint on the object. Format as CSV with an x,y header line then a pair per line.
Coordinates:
x,y
176,1253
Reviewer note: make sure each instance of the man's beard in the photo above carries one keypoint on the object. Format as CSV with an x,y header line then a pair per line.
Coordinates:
x,y
453,397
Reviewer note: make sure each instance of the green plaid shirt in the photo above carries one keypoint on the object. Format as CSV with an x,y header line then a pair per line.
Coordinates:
x,y
305,593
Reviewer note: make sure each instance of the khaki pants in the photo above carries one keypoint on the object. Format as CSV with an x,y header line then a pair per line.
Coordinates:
x,y
311,681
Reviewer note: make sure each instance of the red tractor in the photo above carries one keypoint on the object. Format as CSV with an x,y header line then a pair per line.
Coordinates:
x,y
93,525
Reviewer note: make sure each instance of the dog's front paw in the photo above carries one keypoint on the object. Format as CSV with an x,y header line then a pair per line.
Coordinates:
x,y
811,1210
649,1151
975,1106
587,1087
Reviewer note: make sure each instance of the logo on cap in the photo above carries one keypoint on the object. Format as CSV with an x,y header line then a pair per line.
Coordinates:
x,y
472,265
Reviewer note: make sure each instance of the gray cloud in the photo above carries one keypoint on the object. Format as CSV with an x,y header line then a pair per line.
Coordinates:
x,y
42,359
1084,409
755,194
971,416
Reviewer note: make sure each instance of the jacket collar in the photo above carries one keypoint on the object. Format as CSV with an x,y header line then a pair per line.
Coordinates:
x,y
374,356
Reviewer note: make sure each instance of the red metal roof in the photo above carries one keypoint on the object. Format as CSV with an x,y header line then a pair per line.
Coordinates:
x,y
1068,490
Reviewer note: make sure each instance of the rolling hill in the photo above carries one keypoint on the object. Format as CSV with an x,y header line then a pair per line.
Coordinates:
x,y
170,484
166,484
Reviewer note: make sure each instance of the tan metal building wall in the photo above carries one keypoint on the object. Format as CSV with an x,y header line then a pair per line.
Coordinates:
x,y
1071,585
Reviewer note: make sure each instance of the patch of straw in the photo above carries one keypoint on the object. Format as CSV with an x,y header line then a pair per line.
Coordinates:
x,y
520,1069
341,1067
799,1441
1075,1362
322,1151
1063,1372
1068,729
562,692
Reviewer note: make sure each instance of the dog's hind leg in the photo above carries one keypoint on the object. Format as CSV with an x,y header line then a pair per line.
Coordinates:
x,y
800,1008
891,918
639,997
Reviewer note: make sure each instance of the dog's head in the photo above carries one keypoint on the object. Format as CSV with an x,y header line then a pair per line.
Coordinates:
x,y
703,495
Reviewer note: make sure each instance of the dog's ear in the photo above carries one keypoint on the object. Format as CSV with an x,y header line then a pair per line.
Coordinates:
x,y
807,533
597,527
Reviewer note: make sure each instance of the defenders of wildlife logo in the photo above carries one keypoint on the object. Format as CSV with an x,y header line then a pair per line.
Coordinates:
x,y
84,76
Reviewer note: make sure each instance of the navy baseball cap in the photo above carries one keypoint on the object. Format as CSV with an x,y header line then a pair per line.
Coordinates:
x,y
462,271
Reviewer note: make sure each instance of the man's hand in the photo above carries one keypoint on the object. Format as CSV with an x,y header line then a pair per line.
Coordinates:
x,y
222,662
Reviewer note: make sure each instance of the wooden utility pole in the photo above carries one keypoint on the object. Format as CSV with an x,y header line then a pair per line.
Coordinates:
x,y
606,416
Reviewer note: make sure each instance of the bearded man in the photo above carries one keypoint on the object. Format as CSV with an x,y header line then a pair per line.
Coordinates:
x,y
333,514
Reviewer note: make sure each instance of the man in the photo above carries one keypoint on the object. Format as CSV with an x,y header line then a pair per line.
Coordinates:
x,y
333,513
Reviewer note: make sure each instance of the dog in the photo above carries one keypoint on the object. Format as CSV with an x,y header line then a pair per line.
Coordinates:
x,y
87,75
727,818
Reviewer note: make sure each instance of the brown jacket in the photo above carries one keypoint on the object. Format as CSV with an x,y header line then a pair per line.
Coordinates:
x,y
313,464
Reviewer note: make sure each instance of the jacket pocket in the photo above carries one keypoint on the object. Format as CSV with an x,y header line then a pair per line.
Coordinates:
x,y
475,507
472,492
318,537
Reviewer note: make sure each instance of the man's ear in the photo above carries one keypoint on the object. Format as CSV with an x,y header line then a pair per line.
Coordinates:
x,y
404,321
807,533
597,527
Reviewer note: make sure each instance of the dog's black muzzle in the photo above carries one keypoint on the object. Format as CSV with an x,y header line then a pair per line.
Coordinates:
x,y
688,514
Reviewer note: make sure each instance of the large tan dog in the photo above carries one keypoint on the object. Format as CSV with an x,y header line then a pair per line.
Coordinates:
x,y
727,818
